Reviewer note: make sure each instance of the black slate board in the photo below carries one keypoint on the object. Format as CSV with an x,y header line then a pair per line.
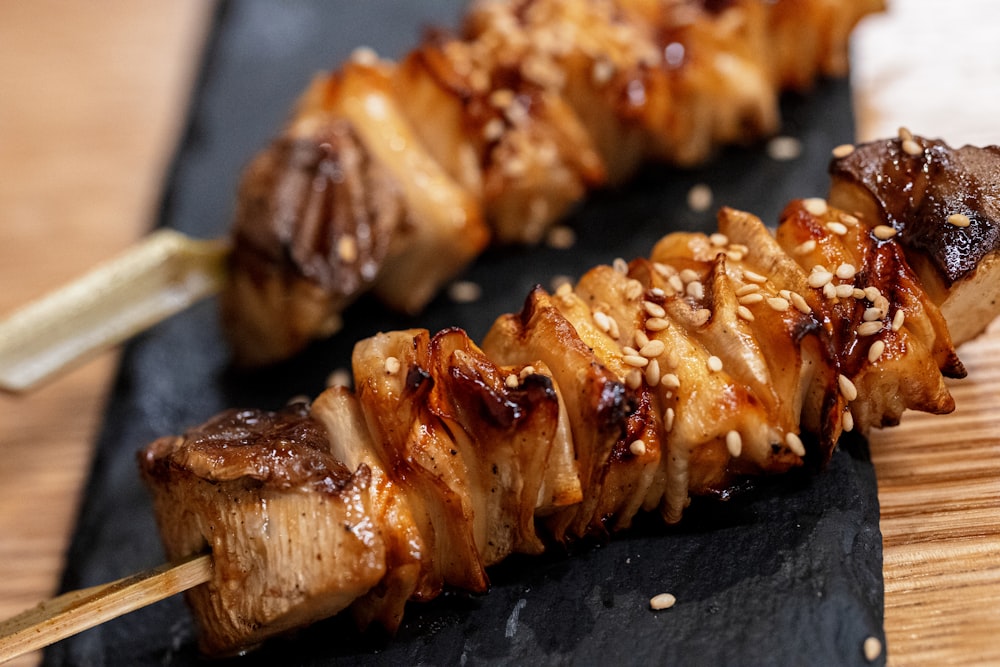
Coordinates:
x,y
790,575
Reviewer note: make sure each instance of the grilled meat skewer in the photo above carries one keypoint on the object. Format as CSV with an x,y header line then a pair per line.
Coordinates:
x,y
717,358
394,176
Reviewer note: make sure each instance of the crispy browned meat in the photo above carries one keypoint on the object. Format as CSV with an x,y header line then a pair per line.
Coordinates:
x,y
393,177
717,358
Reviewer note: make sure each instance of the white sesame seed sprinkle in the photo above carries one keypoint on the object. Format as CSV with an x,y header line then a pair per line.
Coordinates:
x,y
526,371
911,147
838,228
844,291
464,291
805,247
872,649
847,388
714,364
847,421
905,133
784,148
959,220
633,379
819,279
696,290
750,299
662,601
668,419
744,313
747,289
876,350
602,321
794,443
689,275
653,373
872,314
511,381
676,283
653,348
656,324
633,289
778,303
392,365
653,309
734,443
641,339
815,206
754,277
800,303
830,291
869,328
897,320
718,240
701,316
560,237
843,150
883,232
620,265
638,447
340,377
670,381
635,360
846,271
699,198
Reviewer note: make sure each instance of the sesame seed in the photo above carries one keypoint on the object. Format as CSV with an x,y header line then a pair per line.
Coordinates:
x,y
751,299
511,381
883,232
734,443
872,648
830,291
805,247
665,270
464,291
838,228
847,421
718,240
656,324
670,381
747,289
633,379
714,364
602,321
800,303
561,285
876,350
628,349
526,371
911,147
819,279
347,249
340,377
668,419
657,292
744,313
653,309
849,220
897,320
794,443
689,275
676,283
872,314
872,293
620,265
904,134
364,55
614,331
754,277
635,360
641,339
843,150
846,271
959,220
560,237
633,289
701,316
869,328
858,293
844,291
653,373
699,198
638,447
392,365
778,303
847,388
493,129
653,348
784,148
815,206
696,290
662,601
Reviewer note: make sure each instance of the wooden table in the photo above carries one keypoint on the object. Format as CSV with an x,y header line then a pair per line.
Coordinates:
x,y
93,97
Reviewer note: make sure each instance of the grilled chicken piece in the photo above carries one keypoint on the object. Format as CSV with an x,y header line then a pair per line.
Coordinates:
x,y
290,528
393,177
716,359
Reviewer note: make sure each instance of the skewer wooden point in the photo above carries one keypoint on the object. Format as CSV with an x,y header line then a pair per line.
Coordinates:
x,y
76,611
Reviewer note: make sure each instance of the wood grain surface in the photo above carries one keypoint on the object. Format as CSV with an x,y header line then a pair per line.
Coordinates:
x,y
93,99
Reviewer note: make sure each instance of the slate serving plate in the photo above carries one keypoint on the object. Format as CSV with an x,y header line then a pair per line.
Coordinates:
x,y
788,575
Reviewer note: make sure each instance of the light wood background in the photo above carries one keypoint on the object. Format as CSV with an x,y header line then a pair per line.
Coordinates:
x,y
92,97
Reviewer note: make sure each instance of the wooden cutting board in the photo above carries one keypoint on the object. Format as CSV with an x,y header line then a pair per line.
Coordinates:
x,y
93,99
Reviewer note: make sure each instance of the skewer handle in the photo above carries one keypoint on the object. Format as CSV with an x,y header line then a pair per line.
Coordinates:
x,y
160,276
76,611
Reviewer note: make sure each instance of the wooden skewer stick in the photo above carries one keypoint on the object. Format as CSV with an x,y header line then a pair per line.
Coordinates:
x,y
160,276
76,611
